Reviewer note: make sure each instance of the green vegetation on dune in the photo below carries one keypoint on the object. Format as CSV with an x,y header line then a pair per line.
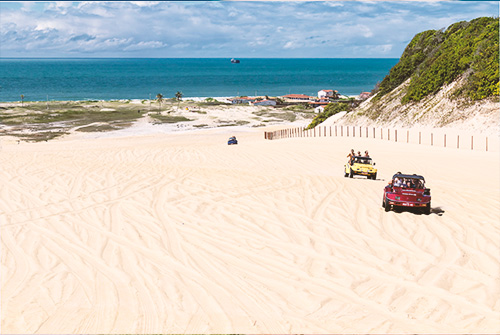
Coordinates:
x,y
330,109
41,121
159,118
435,58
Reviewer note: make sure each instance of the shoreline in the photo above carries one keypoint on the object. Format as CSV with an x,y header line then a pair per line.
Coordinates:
x,y
137,117
45,121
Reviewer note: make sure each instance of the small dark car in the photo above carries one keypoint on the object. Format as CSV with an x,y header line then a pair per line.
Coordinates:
x,y
407,191
232,140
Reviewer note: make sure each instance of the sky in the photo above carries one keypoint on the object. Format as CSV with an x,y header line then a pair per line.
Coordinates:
x,y
219,29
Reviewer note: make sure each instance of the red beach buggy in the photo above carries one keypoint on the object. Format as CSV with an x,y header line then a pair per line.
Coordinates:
x,y
407,191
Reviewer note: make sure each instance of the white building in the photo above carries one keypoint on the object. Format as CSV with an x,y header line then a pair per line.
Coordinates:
x,y
266,102
327,94
242,100
319,109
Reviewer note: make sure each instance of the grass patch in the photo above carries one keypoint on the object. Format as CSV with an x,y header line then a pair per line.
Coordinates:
x,y
97,128
159,119
40,136
232,124
281,116
61,116
297,108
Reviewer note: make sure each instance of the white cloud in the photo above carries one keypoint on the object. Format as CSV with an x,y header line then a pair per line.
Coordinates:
x,y
181,45
221,29
290,45
145,46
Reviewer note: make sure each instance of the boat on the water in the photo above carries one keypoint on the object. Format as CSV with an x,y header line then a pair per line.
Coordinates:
x,y
235,60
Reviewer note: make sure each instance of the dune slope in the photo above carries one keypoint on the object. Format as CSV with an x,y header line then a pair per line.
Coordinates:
x,y
181,233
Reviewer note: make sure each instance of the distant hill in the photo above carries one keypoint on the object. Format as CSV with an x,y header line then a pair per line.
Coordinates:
x,y
443,78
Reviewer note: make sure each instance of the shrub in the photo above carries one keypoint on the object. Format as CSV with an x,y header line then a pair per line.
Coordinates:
x,y
330,109
435,58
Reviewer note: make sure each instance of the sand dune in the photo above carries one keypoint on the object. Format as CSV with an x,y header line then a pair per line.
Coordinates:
x,y
180,233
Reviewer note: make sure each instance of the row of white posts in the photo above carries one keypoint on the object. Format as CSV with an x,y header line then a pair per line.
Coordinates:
x,y
389,134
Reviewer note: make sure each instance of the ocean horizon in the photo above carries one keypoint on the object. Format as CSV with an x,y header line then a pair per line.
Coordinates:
x,y
40,79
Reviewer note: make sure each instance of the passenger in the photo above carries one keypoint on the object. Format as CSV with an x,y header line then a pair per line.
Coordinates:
x,y
397,182
351,156
359,153
366,153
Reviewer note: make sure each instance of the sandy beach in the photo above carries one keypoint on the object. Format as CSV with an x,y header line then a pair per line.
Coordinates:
x,y
181,233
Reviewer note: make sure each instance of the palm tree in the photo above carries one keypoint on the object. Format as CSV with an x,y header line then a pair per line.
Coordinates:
x,y
159,99
178,95
22,99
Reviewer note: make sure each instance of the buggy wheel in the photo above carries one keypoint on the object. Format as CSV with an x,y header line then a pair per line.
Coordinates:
x,y
351,174
427,209
387,206
374,176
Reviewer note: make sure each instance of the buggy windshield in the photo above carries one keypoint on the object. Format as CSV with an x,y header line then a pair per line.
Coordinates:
x,y
362,160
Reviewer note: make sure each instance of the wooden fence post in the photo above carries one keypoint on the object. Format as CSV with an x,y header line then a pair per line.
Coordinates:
x,y
445,140
458,141
353,131
486,143
388,134
407,136
472,142
419,137
347,131
366,132
342,131
432,138
395,135
381,134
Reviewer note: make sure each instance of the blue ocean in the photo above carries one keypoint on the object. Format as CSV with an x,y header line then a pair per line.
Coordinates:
x,y
139,78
